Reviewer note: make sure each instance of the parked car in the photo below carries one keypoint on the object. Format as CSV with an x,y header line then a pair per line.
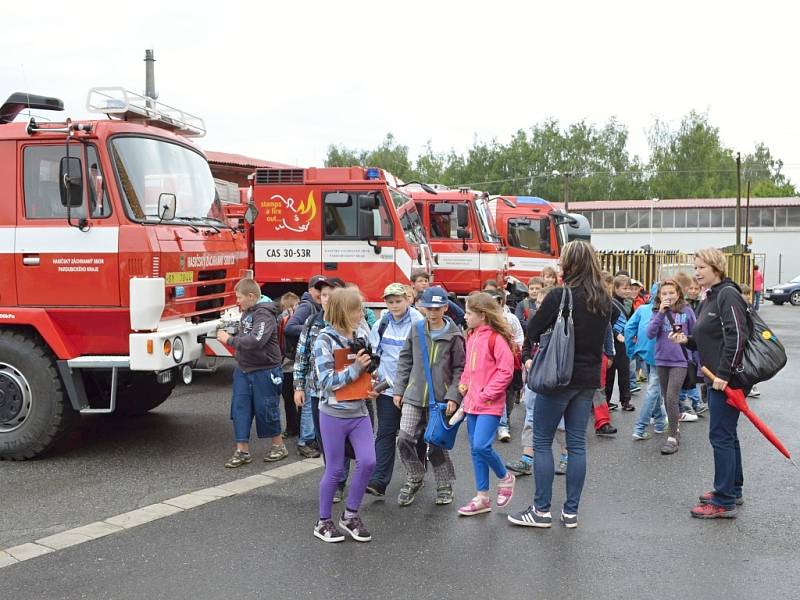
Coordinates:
x,y
784,292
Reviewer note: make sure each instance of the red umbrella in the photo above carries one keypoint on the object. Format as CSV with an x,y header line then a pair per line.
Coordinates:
x,y
736,399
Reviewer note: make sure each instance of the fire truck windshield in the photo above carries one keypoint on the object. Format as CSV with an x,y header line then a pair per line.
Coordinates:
x,y
149,167
486,221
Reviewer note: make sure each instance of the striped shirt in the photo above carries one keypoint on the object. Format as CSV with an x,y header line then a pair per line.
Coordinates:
x,y
329,379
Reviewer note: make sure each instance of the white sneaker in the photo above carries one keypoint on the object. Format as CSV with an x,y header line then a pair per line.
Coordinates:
x,y
754,393
503,434
688,417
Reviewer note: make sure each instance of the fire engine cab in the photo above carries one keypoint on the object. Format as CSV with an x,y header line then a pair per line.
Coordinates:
x,y
467,249
535,232
354,223
116,262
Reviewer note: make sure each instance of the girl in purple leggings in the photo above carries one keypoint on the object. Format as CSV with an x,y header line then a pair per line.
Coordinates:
x,y
342,421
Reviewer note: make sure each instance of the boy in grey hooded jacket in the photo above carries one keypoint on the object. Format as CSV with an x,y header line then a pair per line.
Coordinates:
x,y
446,351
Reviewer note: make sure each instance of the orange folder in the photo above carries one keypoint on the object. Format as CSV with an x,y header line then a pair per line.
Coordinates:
x,y
358,389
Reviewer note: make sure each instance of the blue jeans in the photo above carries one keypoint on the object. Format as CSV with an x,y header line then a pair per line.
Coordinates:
x,y
256,394
481,430
728,475
385,441
652,405
689,398
575,405
756,300
308,432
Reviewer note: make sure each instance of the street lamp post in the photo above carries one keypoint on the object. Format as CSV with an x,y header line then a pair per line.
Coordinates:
x,y
566,176
652,205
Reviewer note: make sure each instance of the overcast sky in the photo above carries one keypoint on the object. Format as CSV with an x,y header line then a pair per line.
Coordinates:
x,y
283,80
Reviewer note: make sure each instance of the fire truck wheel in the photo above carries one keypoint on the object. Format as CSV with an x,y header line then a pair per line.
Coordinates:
x,y
34,411
137,393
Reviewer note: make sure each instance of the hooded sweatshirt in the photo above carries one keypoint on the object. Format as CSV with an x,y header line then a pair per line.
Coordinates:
x,y
637,342
256,345
306,308
487,374
447,354
668,353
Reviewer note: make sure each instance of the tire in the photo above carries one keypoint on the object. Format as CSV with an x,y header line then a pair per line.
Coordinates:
x,y
137,392
35,413
794,298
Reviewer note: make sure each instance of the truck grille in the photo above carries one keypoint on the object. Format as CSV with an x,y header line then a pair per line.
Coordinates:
x,y
205,299
279,176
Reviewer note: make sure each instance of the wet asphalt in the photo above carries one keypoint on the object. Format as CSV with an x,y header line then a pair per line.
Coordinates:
x,y
635,539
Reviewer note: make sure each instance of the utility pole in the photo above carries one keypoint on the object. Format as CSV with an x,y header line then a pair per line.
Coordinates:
x,y
150,78
747,220
738,201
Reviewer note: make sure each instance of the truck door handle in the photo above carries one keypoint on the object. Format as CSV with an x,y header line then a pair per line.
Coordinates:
x,y
30,260
330,266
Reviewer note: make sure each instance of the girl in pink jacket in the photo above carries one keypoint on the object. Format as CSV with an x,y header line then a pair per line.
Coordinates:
x,y
487,374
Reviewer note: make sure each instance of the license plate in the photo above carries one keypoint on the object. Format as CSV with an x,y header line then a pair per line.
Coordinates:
x,y
180,277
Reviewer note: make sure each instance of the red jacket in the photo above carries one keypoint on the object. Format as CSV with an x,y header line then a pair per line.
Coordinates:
x,y
486,375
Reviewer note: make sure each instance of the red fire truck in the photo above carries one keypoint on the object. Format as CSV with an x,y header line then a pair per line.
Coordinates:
x,y
534,232
349,222
116,258
467,249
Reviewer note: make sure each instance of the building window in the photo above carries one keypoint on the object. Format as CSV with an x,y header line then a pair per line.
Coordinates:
x,y
619,219
715,217
667,219
728,217
754,220
780,216
692,219
680,218
793,216
767,216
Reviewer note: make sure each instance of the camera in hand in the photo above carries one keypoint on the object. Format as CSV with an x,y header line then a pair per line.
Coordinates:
x,y
677,328
359,344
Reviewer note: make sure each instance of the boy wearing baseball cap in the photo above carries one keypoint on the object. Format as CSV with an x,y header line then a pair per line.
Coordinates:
x,y
446,350
387,338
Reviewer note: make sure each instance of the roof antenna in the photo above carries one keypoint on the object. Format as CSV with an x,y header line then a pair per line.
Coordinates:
x,y
150,78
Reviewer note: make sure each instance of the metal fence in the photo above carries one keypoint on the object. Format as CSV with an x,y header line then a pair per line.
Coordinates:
x,y
649,267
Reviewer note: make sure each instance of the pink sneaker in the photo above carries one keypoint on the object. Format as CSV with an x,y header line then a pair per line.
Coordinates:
x,y
476,506
505,490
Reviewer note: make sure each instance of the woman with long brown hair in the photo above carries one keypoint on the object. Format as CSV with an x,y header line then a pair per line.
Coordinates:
x,y
581,273
487,374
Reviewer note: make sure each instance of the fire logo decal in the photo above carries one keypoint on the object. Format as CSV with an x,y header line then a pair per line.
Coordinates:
x,y
299,218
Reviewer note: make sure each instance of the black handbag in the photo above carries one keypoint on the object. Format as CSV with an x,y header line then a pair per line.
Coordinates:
x,y
763,356
690,381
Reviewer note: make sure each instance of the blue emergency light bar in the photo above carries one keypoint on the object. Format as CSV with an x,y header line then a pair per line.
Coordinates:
x,y
373,173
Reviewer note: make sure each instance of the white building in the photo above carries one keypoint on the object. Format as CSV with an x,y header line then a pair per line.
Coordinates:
x,y
691,224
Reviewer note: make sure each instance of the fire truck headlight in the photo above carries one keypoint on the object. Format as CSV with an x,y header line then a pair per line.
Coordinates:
x,y
177,349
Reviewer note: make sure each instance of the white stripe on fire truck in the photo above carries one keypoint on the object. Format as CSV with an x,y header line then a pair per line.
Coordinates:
x,y
217,347
59,240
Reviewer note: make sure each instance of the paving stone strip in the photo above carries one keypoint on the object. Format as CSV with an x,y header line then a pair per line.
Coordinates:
x,y
153,512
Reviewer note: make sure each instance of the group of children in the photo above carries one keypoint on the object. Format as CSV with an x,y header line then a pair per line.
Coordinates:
x,y
339,365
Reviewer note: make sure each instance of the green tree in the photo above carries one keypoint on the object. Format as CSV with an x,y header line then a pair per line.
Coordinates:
x,y
690,162
764,173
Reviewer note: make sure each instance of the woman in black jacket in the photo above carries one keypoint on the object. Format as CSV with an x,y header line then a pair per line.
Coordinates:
x,y
719,336
592,307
